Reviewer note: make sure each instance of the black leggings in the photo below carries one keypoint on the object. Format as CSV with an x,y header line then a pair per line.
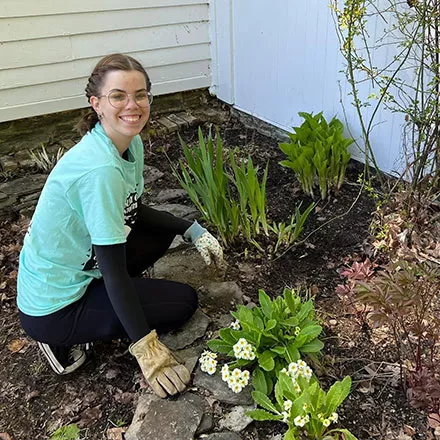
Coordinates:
x,y
167,305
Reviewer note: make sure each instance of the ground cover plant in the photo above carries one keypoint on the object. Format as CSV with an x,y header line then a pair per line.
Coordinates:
x,y
271,340
34,403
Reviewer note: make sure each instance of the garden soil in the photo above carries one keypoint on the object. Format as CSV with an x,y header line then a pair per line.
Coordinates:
x,y
102,394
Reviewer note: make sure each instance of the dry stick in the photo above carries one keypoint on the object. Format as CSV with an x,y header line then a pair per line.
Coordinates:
x,y
324,224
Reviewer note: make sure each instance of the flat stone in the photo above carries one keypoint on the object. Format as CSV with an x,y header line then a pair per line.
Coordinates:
x,y
168,420
139,415
220,390
182,211
67,144
151,174
221,295
8,163
194,329
168,124
30,197
24,185
190,120
207,421
237,420
178,243
225,435
214,115
190,356
186,266
223,320
177,120
26,163
167,195
3,196
8,202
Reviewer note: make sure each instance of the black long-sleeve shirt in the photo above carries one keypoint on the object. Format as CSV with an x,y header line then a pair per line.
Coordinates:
x,y
112,264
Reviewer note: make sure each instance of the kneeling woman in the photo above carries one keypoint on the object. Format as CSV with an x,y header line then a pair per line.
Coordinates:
x,y
90,238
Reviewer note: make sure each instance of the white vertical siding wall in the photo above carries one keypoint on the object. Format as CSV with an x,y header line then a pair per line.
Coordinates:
x,y
48,48
273,59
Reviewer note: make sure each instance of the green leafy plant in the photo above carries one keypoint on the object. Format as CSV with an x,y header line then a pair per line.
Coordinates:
x,y
271,335
302,404
229,194
43,160
289,234
68,432
203,177
252,196
318,153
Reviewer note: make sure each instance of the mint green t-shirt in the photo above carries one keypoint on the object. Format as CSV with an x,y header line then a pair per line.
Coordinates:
x,y
90,197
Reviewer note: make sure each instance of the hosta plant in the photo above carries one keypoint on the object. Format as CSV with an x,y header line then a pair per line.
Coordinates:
x,y
270,336
318,154
302,404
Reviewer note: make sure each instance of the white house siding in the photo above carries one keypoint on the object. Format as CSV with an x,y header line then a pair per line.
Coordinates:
x,y
273,59
48,48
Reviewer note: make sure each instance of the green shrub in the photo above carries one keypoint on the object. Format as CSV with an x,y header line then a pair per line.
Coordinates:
x,y
318,154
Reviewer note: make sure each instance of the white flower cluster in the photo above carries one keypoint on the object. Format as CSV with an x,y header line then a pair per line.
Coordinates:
x,y
208,362
236,379
298,369
333,418
301,420
235,325
244,350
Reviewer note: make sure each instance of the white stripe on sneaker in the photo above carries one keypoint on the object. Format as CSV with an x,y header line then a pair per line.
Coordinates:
x,y
53,361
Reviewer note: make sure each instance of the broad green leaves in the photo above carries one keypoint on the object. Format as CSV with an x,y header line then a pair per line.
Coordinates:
x,y
317,153
69,432
337,394
280,330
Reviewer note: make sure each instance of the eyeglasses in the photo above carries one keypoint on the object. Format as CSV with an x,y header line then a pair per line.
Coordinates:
x,y
119,98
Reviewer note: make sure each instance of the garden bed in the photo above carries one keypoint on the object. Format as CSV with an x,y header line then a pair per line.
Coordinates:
x,y
336,233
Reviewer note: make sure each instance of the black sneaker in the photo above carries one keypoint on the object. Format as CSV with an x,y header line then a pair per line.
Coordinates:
x,y
63,360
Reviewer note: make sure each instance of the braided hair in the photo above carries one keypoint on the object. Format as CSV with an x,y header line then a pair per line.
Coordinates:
x,y
96,80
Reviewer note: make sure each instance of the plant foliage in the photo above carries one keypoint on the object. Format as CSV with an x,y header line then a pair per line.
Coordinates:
x,y
318,153
280,331
304,406
230,195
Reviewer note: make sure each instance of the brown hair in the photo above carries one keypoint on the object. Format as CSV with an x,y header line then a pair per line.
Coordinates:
x,y
96,80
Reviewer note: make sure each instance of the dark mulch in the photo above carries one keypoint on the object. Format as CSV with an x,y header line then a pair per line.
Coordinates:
x,y
34,401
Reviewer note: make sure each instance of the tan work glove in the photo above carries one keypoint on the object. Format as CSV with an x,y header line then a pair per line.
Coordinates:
x,y
162,372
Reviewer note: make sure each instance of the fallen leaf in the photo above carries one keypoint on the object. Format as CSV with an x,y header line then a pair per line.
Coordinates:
x,y
116,433
90,416
17,344
124,398
409,430
112,374
434,420
32,395
5,436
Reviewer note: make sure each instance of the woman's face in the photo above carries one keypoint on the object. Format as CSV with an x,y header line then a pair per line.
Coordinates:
x,y
122,124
